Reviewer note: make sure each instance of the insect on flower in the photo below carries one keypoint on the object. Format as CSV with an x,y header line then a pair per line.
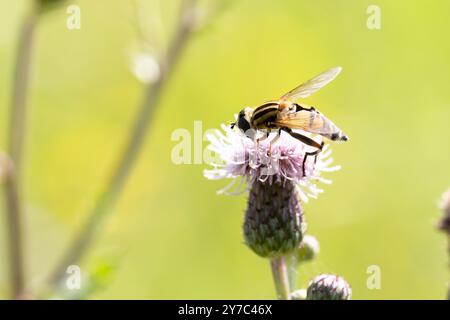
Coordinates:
x,y
286,115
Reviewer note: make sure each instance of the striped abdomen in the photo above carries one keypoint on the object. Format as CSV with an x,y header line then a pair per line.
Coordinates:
x,y
318,123
265,116
310,120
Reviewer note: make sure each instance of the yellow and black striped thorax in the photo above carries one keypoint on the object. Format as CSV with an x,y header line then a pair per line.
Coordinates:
x,y
265,116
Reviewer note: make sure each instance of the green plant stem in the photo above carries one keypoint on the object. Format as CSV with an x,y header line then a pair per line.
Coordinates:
x,y
108,198
292,266
17,131
280,277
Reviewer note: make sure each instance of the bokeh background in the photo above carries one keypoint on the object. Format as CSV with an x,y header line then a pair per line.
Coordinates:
x,y
171,236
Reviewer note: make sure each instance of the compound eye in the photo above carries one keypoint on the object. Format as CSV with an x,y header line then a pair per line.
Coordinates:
x,y
243,124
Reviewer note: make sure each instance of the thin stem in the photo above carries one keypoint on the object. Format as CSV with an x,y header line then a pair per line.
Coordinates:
x,y
17,131
15,245
18,113
280,277
292,266
128,157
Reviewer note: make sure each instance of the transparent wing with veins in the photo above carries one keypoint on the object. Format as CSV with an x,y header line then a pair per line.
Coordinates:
x,y
309,87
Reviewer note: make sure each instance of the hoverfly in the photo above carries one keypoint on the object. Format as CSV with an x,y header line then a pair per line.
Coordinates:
x,y
285,114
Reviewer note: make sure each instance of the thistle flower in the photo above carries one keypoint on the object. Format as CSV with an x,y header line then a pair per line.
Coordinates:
x,y
277,182
328,287
240,158
272,225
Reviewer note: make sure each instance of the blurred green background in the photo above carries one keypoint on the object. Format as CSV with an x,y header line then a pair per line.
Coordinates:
x,y
171,236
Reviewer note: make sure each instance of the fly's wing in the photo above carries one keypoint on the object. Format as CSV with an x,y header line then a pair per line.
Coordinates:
x,y
310,121
309,87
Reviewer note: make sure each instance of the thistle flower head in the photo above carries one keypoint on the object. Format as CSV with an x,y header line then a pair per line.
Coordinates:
x,y
328,287
277,177
273,220
241,158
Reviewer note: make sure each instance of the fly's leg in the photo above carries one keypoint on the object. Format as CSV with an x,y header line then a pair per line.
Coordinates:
x,y
314,153
264,137
308,141
272,142
321,147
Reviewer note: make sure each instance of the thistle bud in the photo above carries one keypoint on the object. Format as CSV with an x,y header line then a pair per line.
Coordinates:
x,y
308,249
298,294
329,287
272,225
